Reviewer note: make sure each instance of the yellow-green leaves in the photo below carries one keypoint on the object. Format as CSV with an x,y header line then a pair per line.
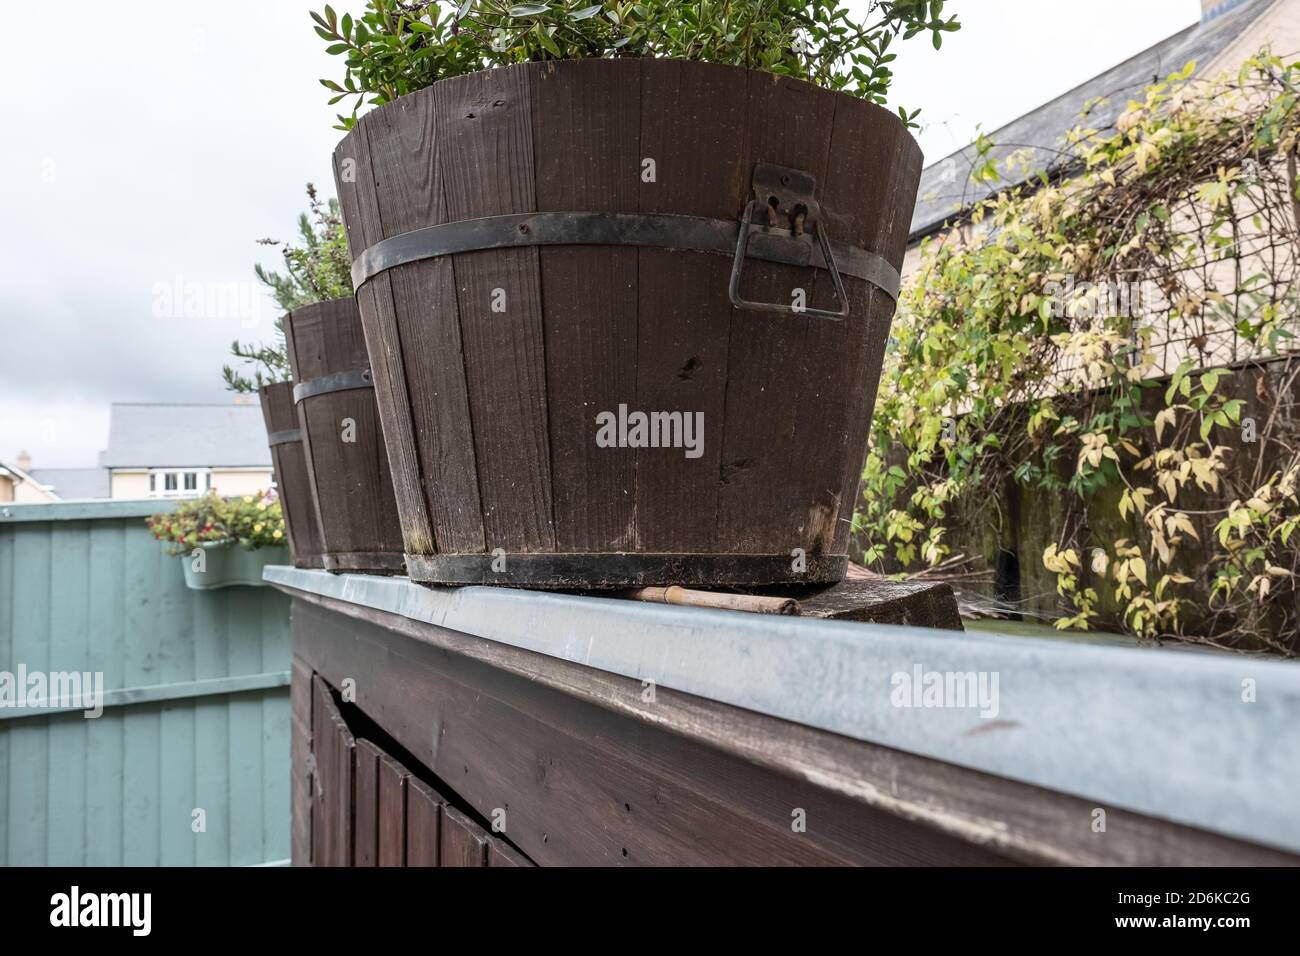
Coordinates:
x,y
1013,365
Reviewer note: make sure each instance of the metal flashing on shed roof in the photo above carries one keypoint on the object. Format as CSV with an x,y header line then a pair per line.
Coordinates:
x,y
1163,733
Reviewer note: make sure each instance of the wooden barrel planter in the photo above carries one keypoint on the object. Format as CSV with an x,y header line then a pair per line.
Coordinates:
x,y
561,301
343,443
284,436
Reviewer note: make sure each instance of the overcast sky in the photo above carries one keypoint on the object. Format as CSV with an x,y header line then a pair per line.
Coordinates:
x,y
150,145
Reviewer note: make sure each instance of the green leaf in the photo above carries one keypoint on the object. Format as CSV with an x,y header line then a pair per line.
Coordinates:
x,y
586,13
528,9
547,41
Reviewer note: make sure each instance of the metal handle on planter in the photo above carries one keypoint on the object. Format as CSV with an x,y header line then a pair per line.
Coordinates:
x,y
738,267
785,192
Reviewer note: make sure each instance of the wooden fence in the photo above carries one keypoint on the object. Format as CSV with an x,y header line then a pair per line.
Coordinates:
x,y
189,762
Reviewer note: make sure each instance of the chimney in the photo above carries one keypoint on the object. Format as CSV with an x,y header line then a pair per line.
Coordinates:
x,y
24,461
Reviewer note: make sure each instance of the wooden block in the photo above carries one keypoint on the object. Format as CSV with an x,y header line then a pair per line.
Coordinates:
x,y
916,604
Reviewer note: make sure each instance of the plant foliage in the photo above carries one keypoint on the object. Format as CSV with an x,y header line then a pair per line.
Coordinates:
x,y
1009,367
251,521
396,48
317,269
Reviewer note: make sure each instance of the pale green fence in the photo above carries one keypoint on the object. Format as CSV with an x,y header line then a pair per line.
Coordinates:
x,y
196,704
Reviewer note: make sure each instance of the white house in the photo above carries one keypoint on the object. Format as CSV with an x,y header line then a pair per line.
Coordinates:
x,y
182,451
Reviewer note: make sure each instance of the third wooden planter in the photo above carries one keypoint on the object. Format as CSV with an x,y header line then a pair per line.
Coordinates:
x,y
293,483
626,318
346,463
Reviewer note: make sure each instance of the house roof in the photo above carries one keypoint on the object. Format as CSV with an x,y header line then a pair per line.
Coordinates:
x,y
203,436
13,471
74,483
945,185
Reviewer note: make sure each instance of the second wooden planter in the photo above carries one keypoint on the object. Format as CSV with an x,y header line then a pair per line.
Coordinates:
x,y
347,467
626,318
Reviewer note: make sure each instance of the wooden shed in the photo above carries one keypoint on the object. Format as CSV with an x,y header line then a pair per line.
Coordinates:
x,y
485,727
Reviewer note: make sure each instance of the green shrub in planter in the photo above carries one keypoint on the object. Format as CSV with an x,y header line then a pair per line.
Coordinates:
x,y
395,48
316,269
224,541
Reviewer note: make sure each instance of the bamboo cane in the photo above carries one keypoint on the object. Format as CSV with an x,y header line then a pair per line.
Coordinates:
x,y
755,604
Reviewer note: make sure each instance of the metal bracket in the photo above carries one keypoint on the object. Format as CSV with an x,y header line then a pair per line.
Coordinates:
x,y
334,382
786,195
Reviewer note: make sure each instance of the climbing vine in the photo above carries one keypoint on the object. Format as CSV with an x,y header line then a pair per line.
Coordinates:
x,y
1116,337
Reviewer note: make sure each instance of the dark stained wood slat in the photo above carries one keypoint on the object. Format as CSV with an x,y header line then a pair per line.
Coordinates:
x,y
682,296
423,813
485,152
768,363
414,332
833,416
354,179
292,479
393,779
463,841
300,757
859,211
365,838
334,748
345,791
590,366
321,769
300,792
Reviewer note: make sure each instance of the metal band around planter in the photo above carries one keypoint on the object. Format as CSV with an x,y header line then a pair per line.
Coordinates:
x,y
334,382
622,569
386,561
688,233
284,437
